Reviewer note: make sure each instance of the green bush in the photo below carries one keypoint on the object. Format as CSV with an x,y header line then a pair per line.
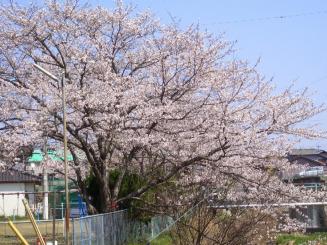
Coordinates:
x,y
131,182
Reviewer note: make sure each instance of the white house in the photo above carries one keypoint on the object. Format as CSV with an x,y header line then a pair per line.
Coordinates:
x,y
14,186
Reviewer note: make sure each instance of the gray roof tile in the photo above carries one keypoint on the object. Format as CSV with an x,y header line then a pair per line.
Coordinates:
x,y
15,176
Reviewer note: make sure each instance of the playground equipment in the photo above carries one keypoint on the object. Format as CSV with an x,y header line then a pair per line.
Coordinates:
x,y
17,232
29,206
31,217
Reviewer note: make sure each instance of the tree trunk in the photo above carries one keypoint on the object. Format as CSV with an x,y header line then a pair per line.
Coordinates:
x,y
105,197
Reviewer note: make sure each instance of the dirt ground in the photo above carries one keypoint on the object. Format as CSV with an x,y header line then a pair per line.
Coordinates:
x,y
7,236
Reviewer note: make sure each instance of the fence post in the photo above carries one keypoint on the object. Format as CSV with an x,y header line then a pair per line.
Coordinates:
x,y
90,230
73,235
54,219
152,229
102,229
63,220
62,210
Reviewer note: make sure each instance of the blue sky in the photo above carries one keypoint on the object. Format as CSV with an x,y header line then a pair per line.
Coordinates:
x,y
290,49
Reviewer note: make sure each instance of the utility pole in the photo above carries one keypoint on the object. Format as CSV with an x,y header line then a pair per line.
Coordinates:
x,y
45,184
67,213
67,216
45,195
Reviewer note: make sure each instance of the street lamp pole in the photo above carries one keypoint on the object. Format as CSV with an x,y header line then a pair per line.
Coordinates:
x,y
65,157
65,144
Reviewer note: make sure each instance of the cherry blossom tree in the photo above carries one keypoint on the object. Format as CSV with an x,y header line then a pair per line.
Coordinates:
x,y
167,103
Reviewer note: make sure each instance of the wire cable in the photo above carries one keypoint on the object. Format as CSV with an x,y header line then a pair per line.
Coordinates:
x,y
279,17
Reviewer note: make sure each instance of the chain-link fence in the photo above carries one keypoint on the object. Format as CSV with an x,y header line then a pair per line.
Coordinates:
x,y
101,229
115,228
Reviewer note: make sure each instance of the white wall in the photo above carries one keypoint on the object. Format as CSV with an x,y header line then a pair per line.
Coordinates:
x,y
29,187
12,204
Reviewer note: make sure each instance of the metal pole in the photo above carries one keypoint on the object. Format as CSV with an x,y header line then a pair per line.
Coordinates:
x,y
65,144
90,230
67,215
73,236
45,183
62,210
33,192
102,230
46,196
54,219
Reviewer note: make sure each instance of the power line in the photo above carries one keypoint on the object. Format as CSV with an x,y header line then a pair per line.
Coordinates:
x,y
319,79
279,17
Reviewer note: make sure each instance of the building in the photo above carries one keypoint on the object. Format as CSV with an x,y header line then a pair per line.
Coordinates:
x,y
310,173
34,162
55,182
311,168
309,157
13,187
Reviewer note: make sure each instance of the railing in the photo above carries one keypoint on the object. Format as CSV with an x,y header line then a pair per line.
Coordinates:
x,y
314,186
302,173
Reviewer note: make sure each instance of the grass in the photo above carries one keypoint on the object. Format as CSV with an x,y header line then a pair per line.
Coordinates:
x,y
164,239
12,218
302,239
283,239
30,239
